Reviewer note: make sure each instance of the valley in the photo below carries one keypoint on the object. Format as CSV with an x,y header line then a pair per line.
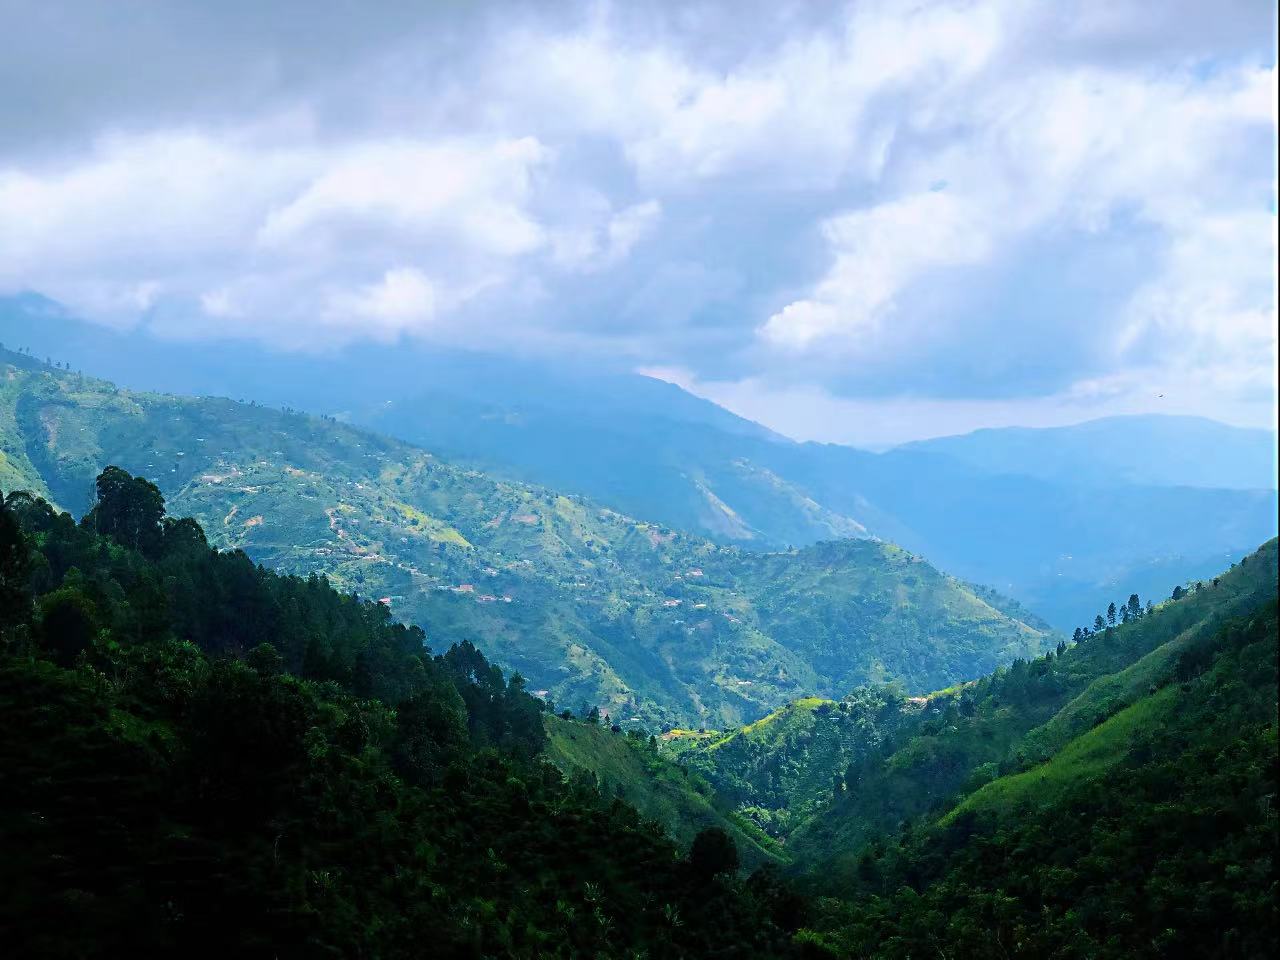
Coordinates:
x,y
846,719
682,480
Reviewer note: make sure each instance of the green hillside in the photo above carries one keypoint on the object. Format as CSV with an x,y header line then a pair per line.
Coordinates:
x,y
630,767
1152,834
778,771
199,757
1111,798
1020,716
836,772
655,626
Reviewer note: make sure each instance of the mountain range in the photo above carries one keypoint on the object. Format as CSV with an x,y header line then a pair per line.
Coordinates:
x,y
1060,519
656,626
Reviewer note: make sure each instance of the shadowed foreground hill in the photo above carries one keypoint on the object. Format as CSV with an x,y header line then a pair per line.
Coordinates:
x,y
202,758
654,625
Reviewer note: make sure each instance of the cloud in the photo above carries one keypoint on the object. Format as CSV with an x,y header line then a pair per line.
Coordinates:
x,y
1083,153
603,238
404,299
812,412
363,240
994,202
877,252
475,193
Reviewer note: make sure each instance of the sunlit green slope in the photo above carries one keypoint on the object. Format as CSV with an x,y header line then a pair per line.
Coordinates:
x,y
654,625
1046,722
632,768
1140,823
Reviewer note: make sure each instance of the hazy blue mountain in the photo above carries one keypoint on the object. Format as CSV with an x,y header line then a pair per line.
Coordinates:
x,y
1062,544
1153,449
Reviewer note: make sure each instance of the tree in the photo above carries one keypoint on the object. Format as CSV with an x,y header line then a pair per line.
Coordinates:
x,y
129,509
1135,606
265,660
68,624
713,853
1077,635
15,570
1178,592
1111,614
1099,624
183,535
429,731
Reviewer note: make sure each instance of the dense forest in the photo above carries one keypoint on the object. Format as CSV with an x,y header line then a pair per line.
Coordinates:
x,y
1111,798
1154,835
202,757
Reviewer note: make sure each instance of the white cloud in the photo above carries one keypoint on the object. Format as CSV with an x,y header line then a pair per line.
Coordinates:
x,y
476,192
269,239
812,412
404,299
878,251
800,114
768,193
1068,151
602,238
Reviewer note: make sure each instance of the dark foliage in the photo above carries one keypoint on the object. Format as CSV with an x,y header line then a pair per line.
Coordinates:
x,y
1169,852
199,757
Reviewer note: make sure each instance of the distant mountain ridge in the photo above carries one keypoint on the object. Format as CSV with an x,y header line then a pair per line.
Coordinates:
x,y
654,625
1152,450
646,448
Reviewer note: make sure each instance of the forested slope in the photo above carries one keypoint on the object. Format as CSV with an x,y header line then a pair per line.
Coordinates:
x,y
1151,834
631,767
199,757
1021,716
1112,798
656,626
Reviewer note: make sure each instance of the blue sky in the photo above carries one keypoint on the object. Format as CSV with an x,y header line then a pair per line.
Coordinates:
x,y
864,223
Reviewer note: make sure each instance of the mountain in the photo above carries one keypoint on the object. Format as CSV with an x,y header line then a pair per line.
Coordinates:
x,y
1106,799
199,757
1141,450
656,626
1060,545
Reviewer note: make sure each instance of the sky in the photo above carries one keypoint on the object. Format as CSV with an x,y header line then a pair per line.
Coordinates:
x,y
862,223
